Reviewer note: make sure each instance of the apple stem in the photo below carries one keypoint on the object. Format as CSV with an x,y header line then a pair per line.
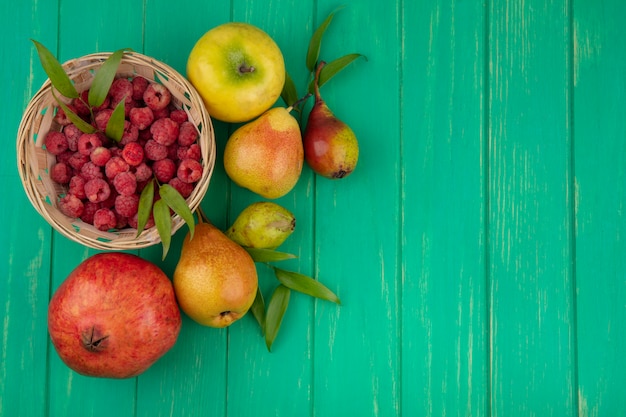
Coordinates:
x,y
243,68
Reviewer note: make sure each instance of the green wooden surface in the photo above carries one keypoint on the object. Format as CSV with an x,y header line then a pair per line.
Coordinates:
x,y
479,248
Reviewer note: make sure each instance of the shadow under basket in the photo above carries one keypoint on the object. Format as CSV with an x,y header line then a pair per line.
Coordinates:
x,y
34,161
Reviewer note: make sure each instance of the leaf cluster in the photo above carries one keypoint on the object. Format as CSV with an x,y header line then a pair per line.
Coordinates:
x,y
170,198
270,316
290,93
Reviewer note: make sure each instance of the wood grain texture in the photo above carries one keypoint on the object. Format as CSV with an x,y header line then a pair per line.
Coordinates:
x,y
478,249
530,224
444,311
357,345
25,248
600,185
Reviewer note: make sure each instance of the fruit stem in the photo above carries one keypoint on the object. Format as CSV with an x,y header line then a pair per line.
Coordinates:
x,y
202,218
316,85
298,102
244,68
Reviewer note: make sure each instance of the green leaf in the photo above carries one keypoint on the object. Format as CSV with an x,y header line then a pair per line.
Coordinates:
x,y
305,284
289,93
315,43
275,313
332,68
145,206
53,68
163,222
104,78
82,125
115,126
177,203
258,309
268,255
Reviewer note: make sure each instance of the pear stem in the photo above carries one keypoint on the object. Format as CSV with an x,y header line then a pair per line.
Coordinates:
x,y
298,102
316,85
202,218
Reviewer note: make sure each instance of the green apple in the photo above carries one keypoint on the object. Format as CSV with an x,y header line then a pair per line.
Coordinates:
x,y
238,70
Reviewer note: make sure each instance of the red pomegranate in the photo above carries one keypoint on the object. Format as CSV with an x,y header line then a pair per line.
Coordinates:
x,y
114,316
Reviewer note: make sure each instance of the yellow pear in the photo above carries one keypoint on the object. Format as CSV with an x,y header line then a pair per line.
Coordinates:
x,y
215,280
266,155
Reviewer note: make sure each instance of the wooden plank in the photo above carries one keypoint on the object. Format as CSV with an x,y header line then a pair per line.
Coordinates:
x,y
357,221
600,164
192,375
444,321
530,220
279,381
70,391
25,244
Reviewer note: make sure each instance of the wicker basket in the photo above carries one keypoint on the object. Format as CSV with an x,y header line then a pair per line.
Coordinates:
x,y
34,161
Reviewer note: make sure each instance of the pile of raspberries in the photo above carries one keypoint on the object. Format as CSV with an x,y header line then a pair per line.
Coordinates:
x,y
104,179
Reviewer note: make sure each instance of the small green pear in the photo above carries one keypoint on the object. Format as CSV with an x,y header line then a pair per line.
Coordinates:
x,y
263,225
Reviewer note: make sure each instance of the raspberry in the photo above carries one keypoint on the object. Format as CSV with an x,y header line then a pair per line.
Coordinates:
x,y
144,135
104,219
72,133
81,106
122,222
110,200
131,133
125,183
61,173
97,190
90,171
172,151
179,116
157,97
142,117
190,152
164,170
61,118
56,142
155,151
100,156
184,189
115,165
161,114
127,205
129,106
116,151
121,89
139,87
132,222
77,187
102,118
77,160
64,157
133,153
89,211
189,170
71,206
143,172
87,142
187,134
164,131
